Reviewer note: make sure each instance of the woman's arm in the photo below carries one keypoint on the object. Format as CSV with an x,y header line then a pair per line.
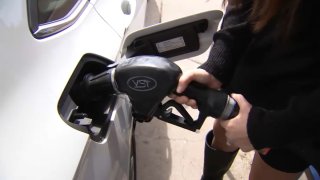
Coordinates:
x,y
258,128
229,42
300,120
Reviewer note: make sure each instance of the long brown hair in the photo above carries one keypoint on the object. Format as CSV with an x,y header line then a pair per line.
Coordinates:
x,y
264,10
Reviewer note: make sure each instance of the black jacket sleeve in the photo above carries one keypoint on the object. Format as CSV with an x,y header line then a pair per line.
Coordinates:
x,y
229,42
299,121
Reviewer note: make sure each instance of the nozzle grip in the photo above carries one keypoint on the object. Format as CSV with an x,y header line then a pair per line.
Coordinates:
x,y
211,102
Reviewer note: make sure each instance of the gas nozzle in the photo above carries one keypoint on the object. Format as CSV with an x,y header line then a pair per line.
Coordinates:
x,y
99,84
211,102
147,80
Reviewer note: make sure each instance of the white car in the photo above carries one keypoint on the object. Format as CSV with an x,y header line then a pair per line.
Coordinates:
x,y
45,46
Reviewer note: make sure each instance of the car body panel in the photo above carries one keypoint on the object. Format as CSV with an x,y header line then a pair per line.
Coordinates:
x,y
124,21
108,9
116,147
37,144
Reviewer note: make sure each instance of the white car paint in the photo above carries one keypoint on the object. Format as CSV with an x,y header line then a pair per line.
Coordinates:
x,y
109,9
35,142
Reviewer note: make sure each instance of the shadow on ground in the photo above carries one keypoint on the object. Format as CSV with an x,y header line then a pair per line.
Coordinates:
x,y
154,160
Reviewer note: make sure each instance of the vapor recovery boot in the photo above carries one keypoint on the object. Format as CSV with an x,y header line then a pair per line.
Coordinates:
x,y
216,162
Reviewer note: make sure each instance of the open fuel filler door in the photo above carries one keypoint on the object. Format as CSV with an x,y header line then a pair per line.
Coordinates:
x,y
177,39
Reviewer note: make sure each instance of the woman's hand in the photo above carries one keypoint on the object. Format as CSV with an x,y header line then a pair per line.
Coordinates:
x,y
236,128
198,75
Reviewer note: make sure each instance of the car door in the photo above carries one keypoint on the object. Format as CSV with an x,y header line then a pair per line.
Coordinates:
x,y
111,123
128,12
41,43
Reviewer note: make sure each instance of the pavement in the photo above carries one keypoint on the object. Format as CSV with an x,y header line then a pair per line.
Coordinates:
x,y
164,151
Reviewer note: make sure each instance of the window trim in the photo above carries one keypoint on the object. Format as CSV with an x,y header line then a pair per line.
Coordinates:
x,y
40,31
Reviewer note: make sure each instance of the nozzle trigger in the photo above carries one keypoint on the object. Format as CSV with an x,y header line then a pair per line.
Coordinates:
x,y
185,121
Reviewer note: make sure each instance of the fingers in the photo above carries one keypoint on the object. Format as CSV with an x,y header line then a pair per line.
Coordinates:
x,y
184,81
192,103
236,128
238,98
186,78
200,76
184,100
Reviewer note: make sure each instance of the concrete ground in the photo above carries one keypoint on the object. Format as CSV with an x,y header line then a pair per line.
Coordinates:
x,y
164,151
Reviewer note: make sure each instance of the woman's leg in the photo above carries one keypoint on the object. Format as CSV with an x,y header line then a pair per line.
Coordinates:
x,y
262,171
218,155
220,140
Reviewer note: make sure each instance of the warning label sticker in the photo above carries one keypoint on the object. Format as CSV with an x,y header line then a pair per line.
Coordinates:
x,y
170,44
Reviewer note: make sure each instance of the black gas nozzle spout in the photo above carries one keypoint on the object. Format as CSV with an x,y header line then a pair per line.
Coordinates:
x,y
99,84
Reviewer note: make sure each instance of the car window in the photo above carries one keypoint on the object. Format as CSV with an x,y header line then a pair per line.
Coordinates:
x,y
51,10
47,17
